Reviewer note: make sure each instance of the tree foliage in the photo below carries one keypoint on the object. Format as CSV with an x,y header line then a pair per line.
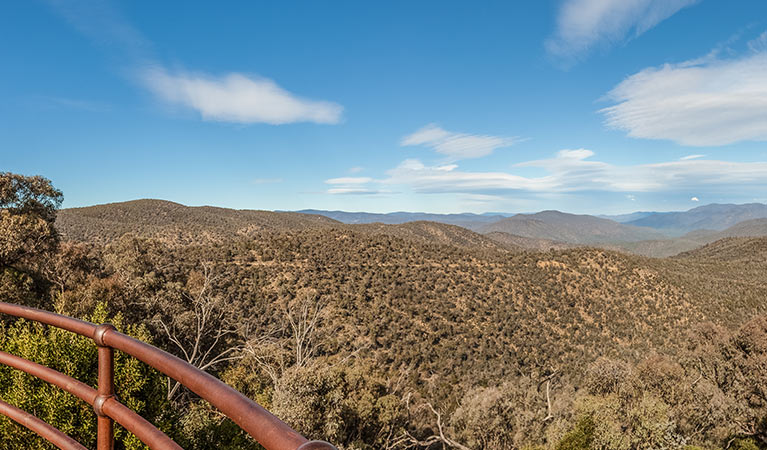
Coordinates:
x,y
137,386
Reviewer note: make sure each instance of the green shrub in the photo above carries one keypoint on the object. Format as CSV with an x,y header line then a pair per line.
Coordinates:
x,y
137,386
581,437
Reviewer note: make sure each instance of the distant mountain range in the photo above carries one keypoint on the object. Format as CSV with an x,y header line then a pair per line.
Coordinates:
x,y
466,220
714,216
709,217
643,233
570,228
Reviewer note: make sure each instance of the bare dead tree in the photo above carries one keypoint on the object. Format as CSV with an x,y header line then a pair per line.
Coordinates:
x,y
268,352
212,326
303,313
301,317
548,381
409,441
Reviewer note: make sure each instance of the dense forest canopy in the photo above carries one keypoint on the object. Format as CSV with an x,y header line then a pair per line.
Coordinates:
x,y
420,335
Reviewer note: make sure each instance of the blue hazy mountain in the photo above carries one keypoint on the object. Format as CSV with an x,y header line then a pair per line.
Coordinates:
x,y
466,220
708,217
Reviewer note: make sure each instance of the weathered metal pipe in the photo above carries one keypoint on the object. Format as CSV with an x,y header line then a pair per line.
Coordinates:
x,y
140,427
76,326
105,426
264,427
42,429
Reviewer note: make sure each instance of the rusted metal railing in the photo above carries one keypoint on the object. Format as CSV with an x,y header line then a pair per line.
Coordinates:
x,y
268,430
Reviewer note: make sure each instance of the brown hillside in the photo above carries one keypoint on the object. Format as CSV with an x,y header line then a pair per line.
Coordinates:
x,y
436,233
732,249
175,223
454,315
570,228
527,243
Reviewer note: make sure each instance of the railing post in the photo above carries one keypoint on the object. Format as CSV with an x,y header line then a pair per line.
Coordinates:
x,y
106,389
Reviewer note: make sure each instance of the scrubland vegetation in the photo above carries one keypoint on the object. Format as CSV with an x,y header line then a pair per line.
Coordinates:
x,y
389,337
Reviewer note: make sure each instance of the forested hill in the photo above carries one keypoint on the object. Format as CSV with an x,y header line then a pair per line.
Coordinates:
x,y
411,315
175,223
442,298
571,228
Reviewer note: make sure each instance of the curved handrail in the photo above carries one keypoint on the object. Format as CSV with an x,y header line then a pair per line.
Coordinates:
x,y
142,428
46,431
268,430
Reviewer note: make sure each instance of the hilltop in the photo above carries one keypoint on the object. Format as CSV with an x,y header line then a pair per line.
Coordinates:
x,y
440,283
465,220
746,250
176,223
547,230
182,225
570,228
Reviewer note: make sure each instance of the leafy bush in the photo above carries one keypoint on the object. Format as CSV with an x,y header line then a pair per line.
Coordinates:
x,y
137,386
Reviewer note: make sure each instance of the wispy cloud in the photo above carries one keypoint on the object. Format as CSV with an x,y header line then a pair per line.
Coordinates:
x,y
707,102
237,98
457,145
349,180
584,24
354,191
689,157
759,44
352,186
231,97
104,23
575,171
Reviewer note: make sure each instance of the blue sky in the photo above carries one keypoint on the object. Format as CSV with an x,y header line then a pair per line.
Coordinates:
x,y
586,106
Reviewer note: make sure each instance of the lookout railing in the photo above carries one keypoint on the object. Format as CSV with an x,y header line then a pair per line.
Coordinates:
x,y
266,429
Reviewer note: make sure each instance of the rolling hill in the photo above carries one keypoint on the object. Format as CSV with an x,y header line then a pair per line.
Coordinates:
x,y
692,240
435,309
466,220
180,225
437,233
707,217
570,228
506,239
734,249
173,222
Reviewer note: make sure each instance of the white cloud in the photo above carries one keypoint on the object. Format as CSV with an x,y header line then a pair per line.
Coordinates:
x,y
759,44
349,180
353,190
356,169
456,145
237,98
575,171
708,102
689,157
583,24
352,186
695,199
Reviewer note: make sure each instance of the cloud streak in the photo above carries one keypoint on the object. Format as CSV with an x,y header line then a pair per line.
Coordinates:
x,y
456,145
233,97
709,102
584,24
573,171
237,98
